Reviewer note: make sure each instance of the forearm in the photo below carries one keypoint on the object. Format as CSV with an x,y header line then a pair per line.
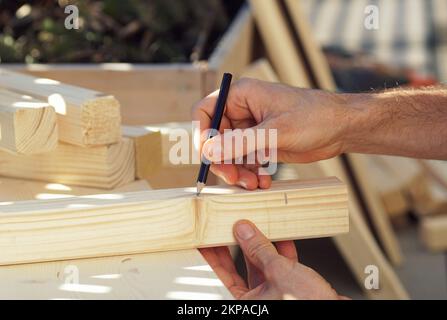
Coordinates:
x,y
402,122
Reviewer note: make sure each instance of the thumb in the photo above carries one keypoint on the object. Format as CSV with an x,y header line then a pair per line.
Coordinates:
x,y
234,144
256,247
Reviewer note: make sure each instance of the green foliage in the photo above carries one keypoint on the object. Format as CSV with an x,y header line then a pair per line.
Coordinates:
x,y
112,30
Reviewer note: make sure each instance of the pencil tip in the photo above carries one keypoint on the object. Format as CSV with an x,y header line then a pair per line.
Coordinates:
x,y
200,186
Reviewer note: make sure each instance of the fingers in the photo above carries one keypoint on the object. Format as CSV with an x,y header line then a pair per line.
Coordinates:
x,y
256,247
238,143
255,277
222,264
246,178
287,249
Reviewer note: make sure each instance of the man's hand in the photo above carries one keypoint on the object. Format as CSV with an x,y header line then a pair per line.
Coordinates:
x,y
315,125
273,273
307,122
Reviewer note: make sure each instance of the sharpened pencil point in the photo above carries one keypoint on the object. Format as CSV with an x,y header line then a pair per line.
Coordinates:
x,y
200,186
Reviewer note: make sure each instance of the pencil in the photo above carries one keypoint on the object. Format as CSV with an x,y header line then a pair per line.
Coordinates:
x,y
215,125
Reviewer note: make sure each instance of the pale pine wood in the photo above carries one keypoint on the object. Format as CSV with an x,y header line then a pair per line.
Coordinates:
x,y
12,190
433,232
127,223
164,275
104,167
393,194
379,218
279,42
27,126
261,70
85,117
427,194
185,274
234,51
317,60
171,133
437,169
148,150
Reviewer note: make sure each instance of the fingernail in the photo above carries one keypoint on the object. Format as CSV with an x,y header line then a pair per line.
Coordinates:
x,y
212,151
244,231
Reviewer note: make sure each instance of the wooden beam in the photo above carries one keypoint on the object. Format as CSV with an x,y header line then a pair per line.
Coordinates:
x,y
433,233
262,70
127,223
379,217
437,169
233,53
392,193
279,43
148,150
104,167
174,275
12,190
27,126
85,117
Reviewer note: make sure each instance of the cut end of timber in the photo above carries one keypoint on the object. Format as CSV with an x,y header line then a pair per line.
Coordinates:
x,y
36,131
101,121
433,233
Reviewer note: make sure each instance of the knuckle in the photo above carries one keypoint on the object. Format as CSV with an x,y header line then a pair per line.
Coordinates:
x,y
257,248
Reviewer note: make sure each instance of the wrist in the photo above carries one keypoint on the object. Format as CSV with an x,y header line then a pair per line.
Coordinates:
x,y
359,120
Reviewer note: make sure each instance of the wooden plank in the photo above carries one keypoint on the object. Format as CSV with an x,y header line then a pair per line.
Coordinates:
x,y
170,133
234,52
437,169
394,197
316,58
27,126
379,217
12,190
128,223
104,167
433,233
148,93
85,117
148,150
426,193
279,43
262,70
165,275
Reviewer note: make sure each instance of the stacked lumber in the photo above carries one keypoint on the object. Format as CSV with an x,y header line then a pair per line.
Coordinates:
x,y
62,134
185,173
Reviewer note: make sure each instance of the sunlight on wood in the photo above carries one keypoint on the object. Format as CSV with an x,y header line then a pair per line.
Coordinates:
x,y
58,187
195,281
84,288
205,267
186,295
108,276
58,103
46,81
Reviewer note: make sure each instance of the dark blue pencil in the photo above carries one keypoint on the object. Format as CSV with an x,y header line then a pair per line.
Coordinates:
x,y
215,125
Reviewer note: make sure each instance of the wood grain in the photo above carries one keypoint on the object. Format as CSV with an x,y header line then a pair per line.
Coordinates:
x,y
12,190
104,167
27,125
128,223
85,117
148,150
175,275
